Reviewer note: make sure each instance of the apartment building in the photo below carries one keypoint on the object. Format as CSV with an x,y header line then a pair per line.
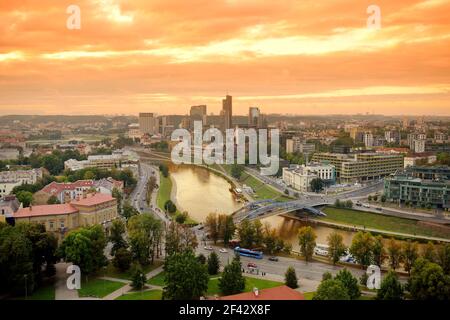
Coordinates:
x,y
420,186
361,166
296,144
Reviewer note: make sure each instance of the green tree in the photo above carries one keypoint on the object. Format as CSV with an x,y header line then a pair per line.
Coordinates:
x,y
337,248
331,289
53,200
117,236
290,278
391,288
122,259
16,265
429,252
227,228
443,257
259,233
201,258
181,217
428,281
410,254
246,233
138,278
212,225
85,248
170,207
145,235
236,171
128,210
213,264
118,196
317,185
362,248
185,277
164,170
378,251
25,197
350,283
326,276
307,241
232,281
395,253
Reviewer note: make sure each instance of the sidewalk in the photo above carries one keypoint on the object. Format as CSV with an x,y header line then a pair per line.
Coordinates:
x,y
125,289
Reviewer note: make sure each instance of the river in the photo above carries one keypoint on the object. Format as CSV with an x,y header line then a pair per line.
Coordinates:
x,y
200,192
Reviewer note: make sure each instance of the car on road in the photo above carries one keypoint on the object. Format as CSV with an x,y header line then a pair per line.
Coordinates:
x,y
251,265
208,248
223,250
365,205
379,209
321,250
273,259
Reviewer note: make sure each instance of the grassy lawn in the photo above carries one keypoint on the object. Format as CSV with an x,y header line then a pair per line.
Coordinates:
x,y
164,192
112,272
43,293
381,222
262,191
165,188
309,295
146,295
213,284
98,288
157,280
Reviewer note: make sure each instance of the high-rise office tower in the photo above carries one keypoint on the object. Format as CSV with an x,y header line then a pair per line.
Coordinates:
x,y
198,113
227,111
148,123
253,117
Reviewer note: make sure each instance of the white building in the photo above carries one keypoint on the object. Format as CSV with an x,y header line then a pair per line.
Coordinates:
x,y
134,131
410,161
6,187
419,146
22,176
300,177
368,139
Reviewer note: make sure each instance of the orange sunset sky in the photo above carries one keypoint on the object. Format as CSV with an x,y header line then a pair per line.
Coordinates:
x,y
302,57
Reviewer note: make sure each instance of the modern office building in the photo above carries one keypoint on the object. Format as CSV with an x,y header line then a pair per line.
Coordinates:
x,y
148,123
198,113
361,166
227,112
420,186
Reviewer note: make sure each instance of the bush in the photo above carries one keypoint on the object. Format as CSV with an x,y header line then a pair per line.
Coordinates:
x,y
138,278
290,278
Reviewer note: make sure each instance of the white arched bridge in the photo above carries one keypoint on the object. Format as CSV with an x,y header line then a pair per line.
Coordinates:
x,y
266,208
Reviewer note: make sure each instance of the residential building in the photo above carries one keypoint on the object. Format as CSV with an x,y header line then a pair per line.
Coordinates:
x,y
8,206
61,218
22,176
392,136
415,136
360,166
368,139
134,131
414,186
440,137
296,144
418,146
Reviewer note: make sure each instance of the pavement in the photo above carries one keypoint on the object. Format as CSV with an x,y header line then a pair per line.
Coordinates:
x,y
61,290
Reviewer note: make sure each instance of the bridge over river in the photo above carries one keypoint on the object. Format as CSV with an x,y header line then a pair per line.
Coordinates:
x,y
267,208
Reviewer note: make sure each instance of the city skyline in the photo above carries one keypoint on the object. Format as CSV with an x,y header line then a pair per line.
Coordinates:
x,y
288,57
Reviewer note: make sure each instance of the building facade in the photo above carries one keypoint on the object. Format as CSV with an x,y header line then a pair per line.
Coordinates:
x,y
416,186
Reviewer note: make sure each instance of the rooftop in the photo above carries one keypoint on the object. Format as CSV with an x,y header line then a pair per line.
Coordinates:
x,y
93,199
45,210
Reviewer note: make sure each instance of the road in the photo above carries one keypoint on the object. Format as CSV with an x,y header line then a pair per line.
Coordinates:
x,y
309,274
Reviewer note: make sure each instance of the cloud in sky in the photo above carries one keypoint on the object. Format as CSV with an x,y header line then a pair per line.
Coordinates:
x,y
284,56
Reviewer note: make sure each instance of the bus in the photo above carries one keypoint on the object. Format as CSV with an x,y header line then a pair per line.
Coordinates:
x,y
248,253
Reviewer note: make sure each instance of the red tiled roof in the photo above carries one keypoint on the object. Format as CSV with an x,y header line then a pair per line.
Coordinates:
x,y
45,210
277,293
92,200
55,187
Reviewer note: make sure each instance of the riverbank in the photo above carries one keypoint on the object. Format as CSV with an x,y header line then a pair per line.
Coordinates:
x,y
167,191
352,220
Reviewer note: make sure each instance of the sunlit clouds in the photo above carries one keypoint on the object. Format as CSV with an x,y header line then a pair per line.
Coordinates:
x,y
284,56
